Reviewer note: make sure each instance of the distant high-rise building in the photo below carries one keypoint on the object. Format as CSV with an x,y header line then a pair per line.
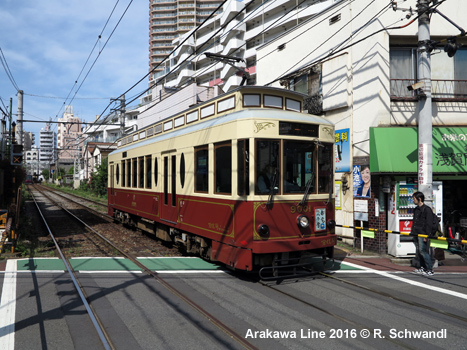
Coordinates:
x,y
47,146
168,19
69,136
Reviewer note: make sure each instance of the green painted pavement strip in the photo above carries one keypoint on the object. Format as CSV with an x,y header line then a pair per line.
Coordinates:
x,y
114,264
122,264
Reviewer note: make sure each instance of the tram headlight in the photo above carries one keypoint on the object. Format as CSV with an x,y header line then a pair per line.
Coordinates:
x,y
303,221
331,224
263,230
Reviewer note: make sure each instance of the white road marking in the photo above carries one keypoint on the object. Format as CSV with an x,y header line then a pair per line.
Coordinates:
x,y
405,280
8,307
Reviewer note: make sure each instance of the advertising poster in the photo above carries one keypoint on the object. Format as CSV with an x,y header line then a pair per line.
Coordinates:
x,y
361,181
342,151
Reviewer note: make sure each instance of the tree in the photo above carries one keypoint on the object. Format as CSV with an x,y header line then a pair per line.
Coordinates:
x,y
98,181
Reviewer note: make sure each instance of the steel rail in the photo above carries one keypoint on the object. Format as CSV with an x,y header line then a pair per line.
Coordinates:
x,y
94,319
341,318
230,332
391,296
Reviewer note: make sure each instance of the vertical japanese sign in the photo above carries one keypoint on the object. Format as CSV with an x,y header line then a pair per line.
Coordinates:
x,y
342,151
422,164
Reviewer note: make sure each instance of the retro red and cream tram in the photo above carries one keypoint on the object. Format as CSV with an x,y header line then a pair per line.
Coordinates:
x,y
245,179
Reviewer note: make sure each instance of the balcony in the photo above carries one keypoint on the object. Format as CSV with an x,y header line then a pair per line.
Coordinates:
x,y
441,90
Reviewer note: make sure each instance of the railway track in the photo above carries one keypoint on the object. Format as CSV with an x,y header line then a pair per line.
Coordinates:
x,y
54,220
450,317
76,242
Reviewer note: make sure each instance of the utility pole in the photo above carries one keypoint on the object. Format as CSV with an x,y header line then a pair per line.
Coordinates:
x,y
20,117
425,126
122,115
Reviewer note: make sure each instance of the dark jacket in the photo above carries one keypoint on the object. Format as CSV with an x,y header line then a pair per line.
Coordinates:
x,y
422,220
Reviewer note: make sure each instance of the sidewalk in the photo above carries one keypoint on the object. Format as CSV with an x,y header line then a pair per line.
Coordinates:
x,y
385,262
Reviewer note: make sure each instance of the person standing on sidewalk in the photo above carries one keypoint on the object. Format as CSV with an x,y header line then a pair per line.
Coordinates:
x,y
422,221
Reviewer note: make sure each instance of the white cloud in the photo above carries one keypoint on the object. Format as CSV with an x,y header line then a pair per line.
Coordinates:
x,y
46,44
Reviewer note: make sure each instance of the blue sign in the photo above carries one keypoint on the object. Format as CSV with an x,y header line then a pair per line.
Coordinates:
x,y
342,151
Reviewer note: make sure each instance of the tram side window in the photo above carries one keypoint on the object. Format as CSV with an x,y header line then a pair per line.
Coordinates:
x,y
117,173
148,171
128,168
156,171
325,169
267,166
123,174
243,151
201,169
141,172
135,172
299,166
223,168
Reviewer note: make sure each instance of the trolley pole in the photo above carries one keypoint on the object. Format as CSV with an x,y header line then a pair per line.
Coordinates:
x,y
425,127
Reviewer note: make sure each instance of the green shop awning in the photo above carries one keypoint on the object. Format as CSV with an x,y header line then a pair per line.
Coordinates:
x,y
394,150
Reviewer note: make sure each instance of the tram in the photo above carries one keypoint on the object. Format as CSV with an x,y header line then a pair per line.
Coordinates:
x,y
245,179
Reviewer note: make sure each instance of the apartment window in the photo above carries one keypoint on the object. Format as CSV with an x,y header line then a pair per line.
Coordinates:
x,y
311,85
449,75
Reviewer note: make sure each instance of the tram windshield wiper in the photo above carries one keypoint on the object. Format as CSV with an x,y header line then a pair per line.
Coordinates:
x,y
308,186
273,187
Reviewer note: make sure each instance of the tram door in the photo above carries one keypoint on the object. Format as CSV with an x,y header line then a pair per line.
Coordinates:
x,y
169,200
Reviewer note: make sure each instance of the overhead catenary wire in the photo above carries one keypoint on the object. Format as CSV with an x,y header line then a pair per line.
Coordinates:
x,y
329,55
89,56
274,23
7,70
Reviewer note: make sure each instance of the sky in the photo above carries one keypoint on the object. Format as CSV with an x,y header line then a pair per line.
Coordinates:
x,y
47,43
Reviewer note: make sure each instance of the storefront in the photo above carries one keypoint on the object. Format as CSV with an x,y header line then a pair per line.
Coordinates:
x,y
394,160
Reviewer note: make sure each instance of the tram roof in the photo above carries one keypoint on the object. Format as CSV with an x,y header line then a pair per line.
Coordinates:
x,y
266,113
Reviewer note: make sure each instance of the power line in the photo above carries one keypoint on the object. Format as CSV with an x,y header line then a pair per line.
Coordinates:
x,y
7,70
319,60
100,51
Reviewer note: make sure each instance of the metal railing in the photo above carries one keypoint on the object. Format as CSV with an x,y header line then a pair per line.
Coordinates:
x,y
441,90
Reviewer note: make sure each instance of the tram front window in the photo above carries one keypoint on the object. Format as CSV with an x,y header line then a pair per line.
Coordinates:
x,y
267,166
298,166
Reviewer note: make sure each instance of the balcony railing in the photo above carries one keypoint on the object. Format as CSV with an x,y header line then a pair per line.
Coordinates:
x,y
441,90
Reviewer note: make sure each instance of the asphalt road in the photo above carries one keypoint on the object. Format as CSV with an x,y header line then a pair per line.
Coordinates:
x,y
362,309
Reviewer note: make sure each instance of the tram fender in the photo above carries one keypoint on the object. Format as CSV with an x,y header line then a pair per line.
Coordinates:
x,y
236,257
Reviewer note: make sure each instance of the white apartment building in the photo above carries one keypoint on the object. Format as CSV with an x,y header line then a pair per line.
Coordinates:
x,y
362,86
237,32
31,160
169,19
47,147
69,137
